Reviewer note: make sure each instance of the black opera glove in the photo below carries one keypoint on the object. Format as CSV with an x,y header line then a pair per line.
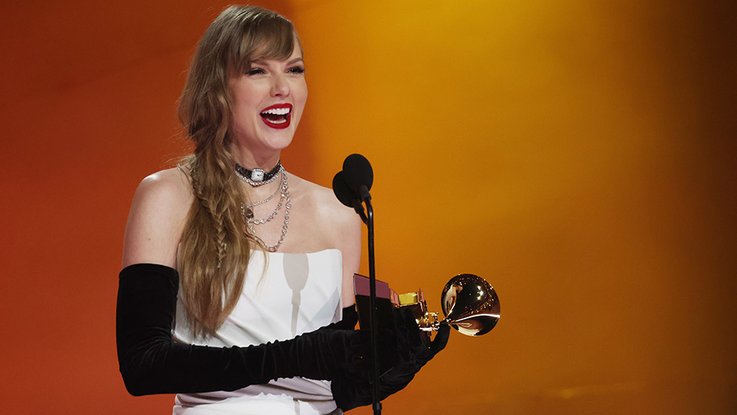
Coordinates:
x,y
152,362
412,350
349,320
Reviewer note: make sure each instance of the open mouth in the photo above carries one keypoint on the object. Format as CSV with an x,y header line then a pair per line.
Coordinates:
x,y
277,116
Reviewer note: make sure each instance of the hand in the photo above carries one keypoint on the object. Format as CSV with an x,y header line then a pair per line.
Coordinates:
x,y
411,349
416,350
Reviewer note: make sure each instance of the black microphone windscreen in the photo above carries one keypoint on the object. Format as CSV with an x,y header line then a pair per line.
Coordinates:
x,y
342,191
358,172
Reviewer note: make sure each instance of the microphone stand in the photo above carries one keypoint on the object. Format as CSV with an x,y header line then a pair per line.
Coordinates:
x,y
368,219
376,403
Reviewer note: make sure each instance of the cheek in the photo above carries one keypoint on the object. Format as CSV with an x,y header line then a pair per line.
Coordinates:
x,y
301,101
302,94
242,116
242,102
245,95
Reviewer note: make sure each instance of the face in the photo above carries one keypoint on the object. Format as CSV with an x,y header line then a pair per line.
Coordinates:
x,y
267,103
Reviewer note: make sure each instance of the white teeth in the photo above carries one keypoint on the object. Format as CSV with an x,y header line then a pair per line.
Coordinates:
x,y
277,111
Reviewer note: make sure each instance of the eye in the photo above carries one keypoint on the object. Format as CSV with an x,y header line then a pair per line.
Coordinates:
x,y
296,70
255,71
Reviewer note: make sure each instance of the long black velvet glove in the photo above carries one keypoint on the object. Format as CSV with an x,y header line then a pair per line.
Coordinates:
x,y
151,362
349,320
412,351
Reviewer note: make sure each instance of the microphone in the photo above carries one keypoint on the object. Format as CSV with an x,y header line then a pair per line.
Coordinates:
x,y
343,192
358,175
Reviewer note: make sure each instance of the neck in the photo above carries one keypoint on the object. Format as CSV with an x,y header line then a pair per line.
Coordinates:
x,y
265,160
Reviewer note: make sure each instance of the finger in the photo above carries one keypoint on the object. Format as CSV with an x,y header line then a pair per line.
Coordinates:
x,y
441,339
407,330
405,318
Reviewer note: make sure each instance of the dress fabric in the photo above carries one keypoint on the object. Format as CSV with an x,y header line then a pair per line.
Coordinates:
x,y
284,295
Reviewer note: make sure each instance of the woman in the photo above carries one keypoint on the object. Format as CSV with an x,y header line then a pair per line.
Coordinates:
x,y
264,259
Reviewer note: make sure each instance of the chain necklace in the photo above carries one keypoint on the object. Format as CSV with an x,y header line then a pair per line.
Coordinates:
x,y
247,210
251,222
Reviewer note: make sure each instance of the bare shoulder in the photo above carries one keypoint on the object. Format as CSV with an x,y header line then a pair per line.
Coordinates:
x,y
170,186
156,219
323,202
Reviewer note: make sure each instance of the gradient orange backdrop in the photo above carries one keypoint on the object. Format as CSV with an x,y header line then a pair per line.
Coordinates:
x,y
579,155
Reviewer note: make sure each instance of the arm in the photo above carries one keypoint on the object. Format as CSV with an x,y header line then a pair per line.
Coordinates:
x,y
150,361
156,219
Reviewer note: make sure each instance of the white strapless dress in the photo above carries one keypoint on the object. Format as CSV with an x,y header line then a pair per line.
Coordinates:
x,y
284,295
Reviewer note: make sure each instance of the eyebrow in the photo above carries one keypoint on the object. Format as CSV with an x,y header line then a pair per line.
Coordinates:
x,y
290,62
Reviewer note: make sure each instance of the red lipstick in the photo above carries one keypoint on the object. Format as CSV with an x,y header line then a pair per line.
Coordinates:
x,y
277,116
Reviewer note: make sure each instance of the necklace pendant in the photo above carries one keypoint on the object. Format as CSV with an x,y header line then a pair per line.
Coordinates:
x,y
249,213
257,175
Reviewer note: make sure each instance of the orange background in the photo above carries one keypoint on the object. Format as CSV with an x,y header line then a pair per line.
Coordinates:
x,y
580,155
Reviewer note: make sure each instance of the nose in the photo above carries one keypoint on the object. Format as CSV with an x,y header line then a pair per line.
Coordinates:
x,y
279,86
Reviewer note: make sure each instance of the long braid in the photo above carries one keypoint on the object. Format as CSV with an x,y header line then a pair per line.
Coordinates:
x,y
220,233
217,210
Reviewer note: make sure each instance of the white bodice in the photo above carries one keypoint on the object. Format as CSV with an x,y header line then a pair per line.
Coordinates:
x,y
284,295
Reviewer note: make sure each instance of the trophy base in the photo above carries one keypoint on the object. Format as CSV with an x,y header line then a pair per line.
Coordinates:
x,y
386,299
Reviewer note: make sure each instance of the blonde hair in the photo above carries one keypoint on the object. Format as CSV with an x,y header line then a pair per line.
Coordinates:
x,y
215,247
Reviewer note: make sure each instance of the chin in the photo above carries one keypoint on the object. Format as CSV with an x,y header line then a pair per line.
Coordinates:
x,y
279,139
278,144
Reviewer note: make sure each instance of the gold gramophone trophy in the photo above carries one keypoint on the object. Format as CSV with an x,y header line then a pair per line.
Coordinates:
x,y
470,304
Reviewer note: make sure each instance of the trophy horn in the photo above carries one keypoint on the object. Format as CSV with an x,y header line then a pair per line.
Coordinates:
x,y
470,305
